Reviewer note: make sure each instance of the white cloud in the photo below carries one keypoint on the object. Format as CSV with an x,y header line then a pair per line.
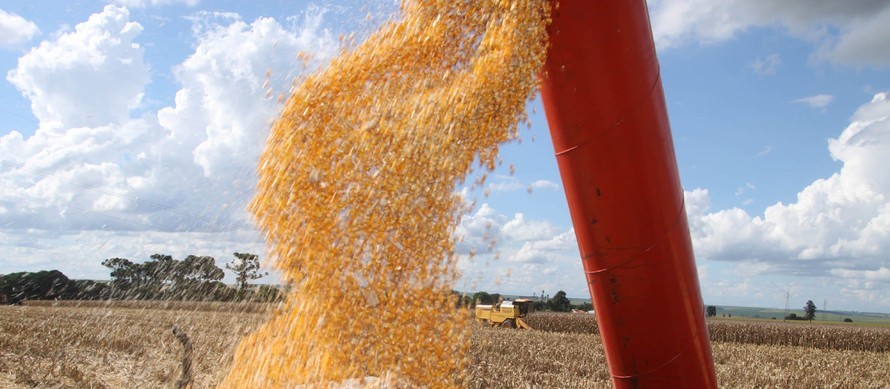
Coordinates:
x,y
154,3
529,255
764,151
543,184
840,222
15,30
521,229
510,183
767,66
880,275
744,189
478,230
727,288
100,58
844,32
223,91
549,250
817,101
865,285
91,170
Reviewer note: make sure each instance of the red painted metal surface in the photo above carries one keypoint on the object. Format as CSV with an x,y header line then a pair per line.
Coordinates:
x,y
605,105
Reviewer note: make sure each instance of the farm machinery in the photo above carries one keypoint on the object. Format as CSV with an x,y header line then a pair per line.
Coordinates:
x,y
508,314
602,93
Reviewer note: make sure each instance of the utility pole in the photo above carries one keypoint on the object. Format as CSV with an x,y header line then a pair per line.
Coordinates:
x,y
824,308
787,298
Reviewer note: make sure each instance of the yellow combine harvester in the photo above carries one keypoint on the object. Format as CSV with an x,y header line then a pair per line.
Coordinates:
x,y
509,314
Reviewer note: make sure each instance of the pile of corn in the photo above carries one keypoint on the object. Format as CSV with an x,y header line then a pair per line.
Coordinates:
x,y
356,194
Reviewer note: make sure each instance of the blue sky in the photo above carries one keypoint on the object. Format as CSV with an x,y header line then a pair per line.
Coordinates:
x,y
132,127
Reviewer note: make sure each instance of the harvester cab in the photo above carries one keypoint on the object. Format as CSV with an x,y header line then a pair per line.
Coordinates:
x,y
509,314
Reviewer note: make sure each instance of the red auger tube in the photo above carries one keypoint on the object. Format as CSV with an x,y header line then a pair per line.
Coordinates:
x,y
605,105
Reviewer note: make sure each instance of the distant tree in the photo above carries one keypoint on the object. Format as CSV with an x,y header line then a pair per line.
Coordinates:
x,y
809,310
91,290
268,294
462,299
711,311
41,285
163,277
848,320
560,303
246,268
482,297
199,269
124,275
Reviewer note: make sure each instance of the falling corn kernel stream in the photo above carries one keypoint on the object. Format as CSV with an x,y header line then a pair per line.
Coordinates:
x,y
356,195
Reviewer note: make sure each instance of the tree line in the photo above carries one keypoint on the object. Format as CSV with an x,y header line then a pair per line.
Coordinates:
x,y
558,303
162,277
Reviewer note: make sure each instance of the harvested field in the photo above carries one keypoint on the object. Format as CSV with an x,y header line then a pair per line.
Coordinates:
x,y
99,347
819,336
574,323
240,307
117,347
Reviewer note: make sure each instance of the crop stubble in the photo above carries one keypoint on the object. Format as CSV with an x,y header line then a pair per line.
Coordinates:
x,y
112,347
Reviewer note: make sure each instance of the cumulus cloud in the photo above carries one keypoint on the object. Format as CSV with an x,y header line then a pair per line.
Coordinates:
x,y
518,254
847,32
549,250
15,30
223,91
99,56
867,285
521,229
817,101
839,225
182,175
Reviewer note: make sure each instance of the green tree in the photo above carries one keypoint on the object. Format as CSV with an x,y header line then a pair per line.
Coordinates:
x,y
91,290
482,297
124,276
711,311
163,277
199,269
462,299
41,285
809,310
268,294
246,268
560,303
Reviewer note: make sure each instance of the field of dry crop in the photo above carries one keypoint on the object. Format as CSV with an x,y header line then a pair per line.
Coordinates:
x,y
132,346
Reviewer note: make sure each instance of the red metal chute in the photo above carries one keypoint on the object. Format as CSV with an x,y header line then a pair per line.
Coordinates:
x,y
605,105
